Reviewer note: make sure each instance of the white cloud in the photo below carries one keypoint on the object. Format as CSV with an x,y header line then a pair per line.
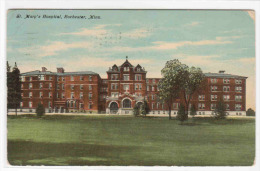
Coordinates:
x,y
137,33
52,48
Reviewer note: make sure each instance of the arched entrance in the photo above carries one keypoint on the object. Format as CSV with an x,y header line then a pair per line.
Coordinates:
x,y
113,108
127,103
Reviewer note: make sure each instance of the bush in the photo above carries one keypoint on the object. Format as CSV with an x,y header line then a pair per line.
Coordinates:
x,y
193,111
220,111
181,115
40,111
250,112
136,110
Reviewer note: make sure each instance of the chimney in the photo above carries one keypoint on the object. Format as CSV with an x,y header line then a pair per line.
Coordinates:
x,y
44,69
221,71
60,70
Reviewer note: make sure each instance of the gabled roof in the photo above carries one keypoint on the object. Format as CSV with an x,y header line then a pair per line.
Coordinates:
x,y
127,62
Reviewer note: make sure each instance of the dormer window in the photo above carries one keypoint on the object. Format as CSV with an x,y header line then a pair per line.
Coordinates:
x,y
126,68
138,69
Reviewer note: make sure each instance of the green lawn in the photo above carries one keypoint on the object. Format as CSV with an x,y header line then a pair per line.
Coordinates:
x,y
126,140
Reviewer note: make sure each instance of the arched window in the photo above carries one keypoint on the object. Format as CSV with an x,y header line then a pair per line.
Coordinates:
x,y
126,103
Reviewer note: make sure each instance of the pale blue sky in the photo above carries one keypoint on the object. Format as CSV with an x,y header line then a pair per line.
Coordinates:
x,y
213,40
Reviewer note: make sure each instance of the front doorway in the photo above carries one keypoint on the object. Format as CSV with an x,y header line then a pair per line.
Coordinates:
x,y
113,108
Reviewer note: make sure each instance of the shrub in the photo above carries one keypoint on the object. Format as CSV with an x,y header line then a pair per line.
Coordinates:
x,y
181,115
220,111
193,111
136,110
250,112
40,111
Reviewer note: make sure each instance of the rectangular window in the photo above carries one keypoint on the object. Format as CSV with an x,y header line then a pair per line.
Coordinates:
x,y
126,87
227,107
238,81
90,96
71,78
50,77
21,104
153,81
63,78
114,76
152,105
126,77
226,97
114,94
201,106
62,86
58,86
147,88
23,78
213,106
41,77
138,77
238,98
30,104
63,95
30,86
81,78
58,78
226,88
214,88
30,94
72,87
152,88
50,95
90,87
58,95
152,97
72,95
49,104
116,86
238,89
81,87
30,78
214,97
201,97
81,95
50,85
126,68
81,105
238,106
175,106
213,80
90,78
90,106
226,81
158,105
41,94
41,85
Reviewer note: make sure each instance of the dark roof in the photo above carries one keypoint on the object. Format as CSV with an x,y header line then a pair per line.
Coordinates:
x,y
222,75
37,72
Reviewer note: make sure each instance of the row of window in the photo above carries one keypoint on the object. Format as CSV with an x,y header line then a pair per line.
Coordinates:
x,y
43,77
126,77
225,81
201,106
226,88
58,95
70,104
58,86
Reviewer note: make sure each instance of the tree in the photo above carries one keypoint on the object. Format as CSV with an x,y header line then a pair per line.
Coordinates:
x,y
170,84
145,108
220,110
181,115
136,110
250,112
40,111
193,78
14,88
193,111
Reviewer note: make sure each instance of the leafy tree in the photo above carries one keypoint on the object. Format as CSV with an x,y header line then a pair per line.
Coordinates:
x,y
14,87
181,115
40,111
171,83
250,112
192,82
193,111
145,108
220,110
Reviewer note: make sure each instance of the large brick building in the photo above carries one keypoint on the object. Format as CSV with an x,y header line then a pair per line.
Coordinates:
x,y
125,86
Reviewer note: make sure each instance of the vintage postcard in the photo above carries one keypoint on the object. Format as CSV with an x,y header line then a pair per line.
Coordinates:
x,y
131,87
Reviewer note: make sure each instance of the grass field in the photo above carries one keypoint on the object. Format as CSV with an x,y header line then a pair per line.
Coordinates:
x,y
126,140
